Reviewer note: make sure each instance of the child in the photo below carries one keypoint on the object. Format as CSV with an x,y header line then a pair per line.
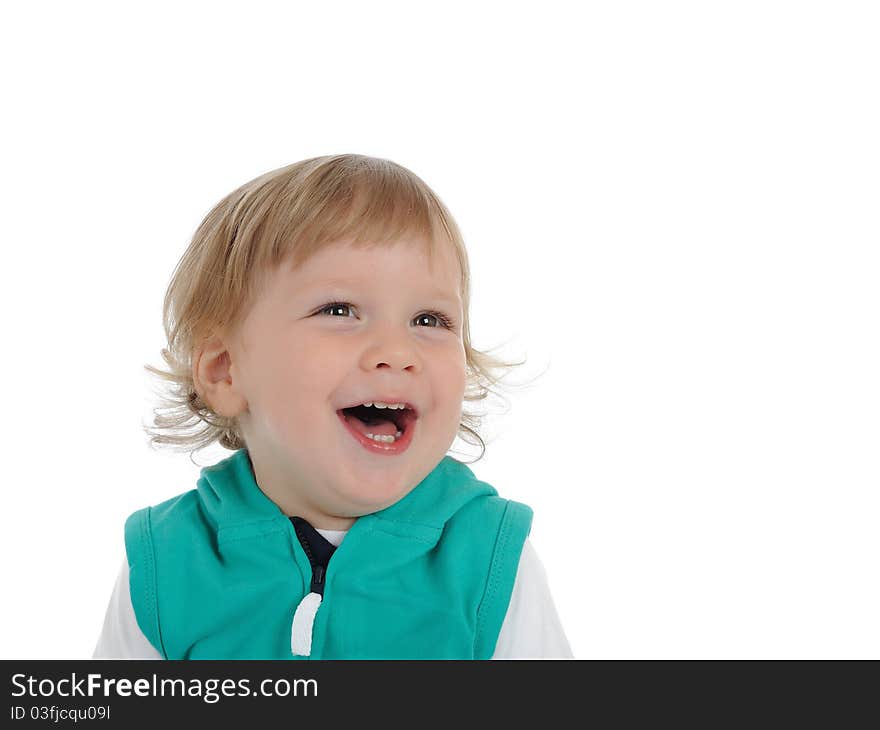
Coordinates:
x,y
318,328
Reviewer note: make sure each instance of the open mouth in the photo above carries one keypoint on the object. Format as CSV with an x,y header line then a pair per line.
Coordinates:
x,y
379,420
385,430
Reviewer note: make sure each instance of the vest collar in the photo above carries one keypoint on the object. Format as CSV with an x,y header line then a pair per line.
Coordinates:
x,y
236,507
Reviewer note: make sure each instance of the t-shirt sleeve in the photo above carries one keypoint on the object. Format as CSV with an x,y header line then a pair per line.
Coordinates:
x,y
121,637
531,628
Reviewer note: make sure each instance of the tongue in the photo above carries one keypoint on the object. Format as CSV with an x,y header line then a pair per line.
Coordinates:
x,y
377,427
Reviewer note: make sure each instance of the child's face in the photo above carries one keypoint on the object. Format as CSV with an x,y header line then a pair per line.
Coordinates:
x,y
295,365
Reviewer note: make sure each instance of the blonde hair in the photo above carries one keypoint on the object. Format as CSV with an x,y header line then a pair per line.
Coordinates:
x,y
293,212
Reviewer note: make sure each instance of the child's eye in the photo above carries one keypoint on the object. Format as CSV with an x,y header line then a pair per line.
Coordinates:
x,y
444,321
440,317
332,305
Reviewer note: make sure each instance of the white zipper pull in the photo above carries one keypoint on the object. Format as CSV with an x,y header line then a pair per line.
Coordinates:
x,y
303,621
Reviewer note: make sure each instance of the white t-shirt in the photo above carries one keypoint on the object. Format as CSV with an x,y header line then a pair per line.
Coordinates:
x,y
531,628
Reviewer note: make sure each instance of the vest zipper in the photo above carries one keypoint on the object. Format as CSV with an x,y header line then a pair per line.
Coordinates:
x,y
318,579
318,570
304,616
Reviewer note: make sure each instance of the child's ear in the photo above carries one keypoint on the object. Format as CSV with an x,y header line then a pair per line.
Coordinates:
x,y
213,379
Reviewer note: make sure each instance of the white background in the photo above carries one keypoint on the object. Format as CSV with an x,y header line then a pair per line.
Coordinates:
x,y
671,211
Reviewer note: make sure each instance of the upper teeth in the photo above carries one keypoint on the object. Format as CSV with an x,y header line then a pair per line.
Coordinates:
x,y
380,404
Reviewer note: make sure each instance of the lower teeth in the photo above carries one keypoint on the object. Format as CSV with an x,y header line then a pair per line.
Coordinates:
x,y
385,439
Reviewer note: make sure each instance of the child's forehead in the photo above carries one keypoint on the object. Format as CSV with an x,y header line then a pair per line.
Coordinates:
x,y
349,260
349,268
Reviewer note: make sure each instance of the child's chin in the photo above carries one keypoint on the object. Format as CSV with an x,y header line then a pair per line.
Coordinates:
x,y
374,498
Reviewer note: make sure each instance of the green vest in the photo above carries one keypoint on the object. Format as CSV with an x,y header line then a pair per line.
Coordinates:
x,y
217,572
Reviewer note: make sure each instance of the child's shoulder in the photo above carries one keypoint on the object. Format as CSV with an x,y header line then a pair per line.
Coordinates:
x,y
160,521
180,504
225,495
